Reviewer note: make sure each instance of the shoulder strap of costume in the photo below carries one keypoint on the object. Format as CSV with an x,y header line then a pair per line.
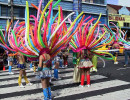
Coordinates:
x,y
43,56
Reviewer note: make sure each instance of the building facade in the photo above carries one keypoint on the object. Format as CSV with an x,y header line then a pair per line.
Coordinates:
x,y
119,2
119,15
89,7
18,10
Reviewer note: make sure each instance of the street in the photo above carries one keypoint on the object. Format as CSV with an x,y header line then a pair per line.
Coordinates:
x,y
110,83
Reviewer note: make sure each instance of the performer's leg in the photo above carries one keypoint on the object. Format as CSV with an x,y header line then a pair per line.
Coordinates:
x,y
25,77
31,64
45,85
88,77
56,70
34,67
10,67
65,63
20,78
60,64
126,58
116,55
82,76
49,88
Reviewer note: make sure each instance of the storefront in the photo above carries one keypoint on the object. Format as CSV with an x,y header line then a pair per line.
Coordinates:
x,y
122,20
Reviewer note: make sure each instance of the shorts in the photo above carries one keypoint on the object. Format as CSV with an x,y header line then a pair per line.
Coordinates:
x,y
21,66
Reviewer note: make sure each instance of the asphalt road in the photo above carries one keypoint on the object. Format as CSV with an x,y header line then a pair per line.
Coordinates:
x,y
110,83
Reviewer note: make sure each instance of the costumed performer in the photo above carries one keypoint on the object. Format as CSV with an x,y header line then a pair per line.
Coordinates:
x,y
65,57
85,64
57,62
116,46
127,53
21,66
10,62
45,74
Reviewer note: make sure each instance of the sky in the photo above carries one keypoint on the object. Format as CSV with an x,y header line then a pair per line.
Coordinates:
x,y
119,2
115,2
124,2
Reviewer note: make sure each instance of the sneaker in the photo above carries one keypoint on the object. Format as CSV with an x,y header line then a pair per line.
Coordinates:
x,y
88,85
66,66
81,86
116,62
29,84
21,86
91,69
94,70
125,65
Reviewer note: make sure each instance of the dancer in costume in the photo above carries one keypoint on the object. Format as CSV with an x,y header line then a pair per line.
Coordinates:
x,y
127,53
77,71
21,66
10,62
57,62
116,46
45,74
85,64
65,58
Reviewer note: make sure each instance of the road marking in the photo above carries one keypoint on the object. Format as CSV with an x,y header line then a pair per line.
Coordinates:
x,y
123,68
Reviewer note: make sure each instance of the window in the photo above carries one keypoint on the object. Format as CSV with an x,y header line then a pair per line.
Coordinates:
x,y
19,11
32,11
98,1
22,12
126,24
16,11
5,10
55,12
66,13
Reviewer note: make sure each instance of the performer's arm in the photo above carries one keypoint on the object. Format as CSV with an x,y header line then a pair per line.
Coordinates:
x,y
40,64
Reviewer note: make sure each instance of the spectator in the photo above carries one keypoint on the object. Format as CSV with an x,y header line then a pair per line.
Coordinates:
x,y
127,53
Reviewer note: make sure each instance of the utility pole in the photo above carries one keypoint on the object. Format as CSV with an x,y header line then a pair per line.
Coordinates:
x,y
12,13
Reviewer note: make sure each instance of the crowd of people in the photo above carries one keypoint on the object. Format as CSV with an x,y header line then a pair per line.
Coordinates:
x,y
84,62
